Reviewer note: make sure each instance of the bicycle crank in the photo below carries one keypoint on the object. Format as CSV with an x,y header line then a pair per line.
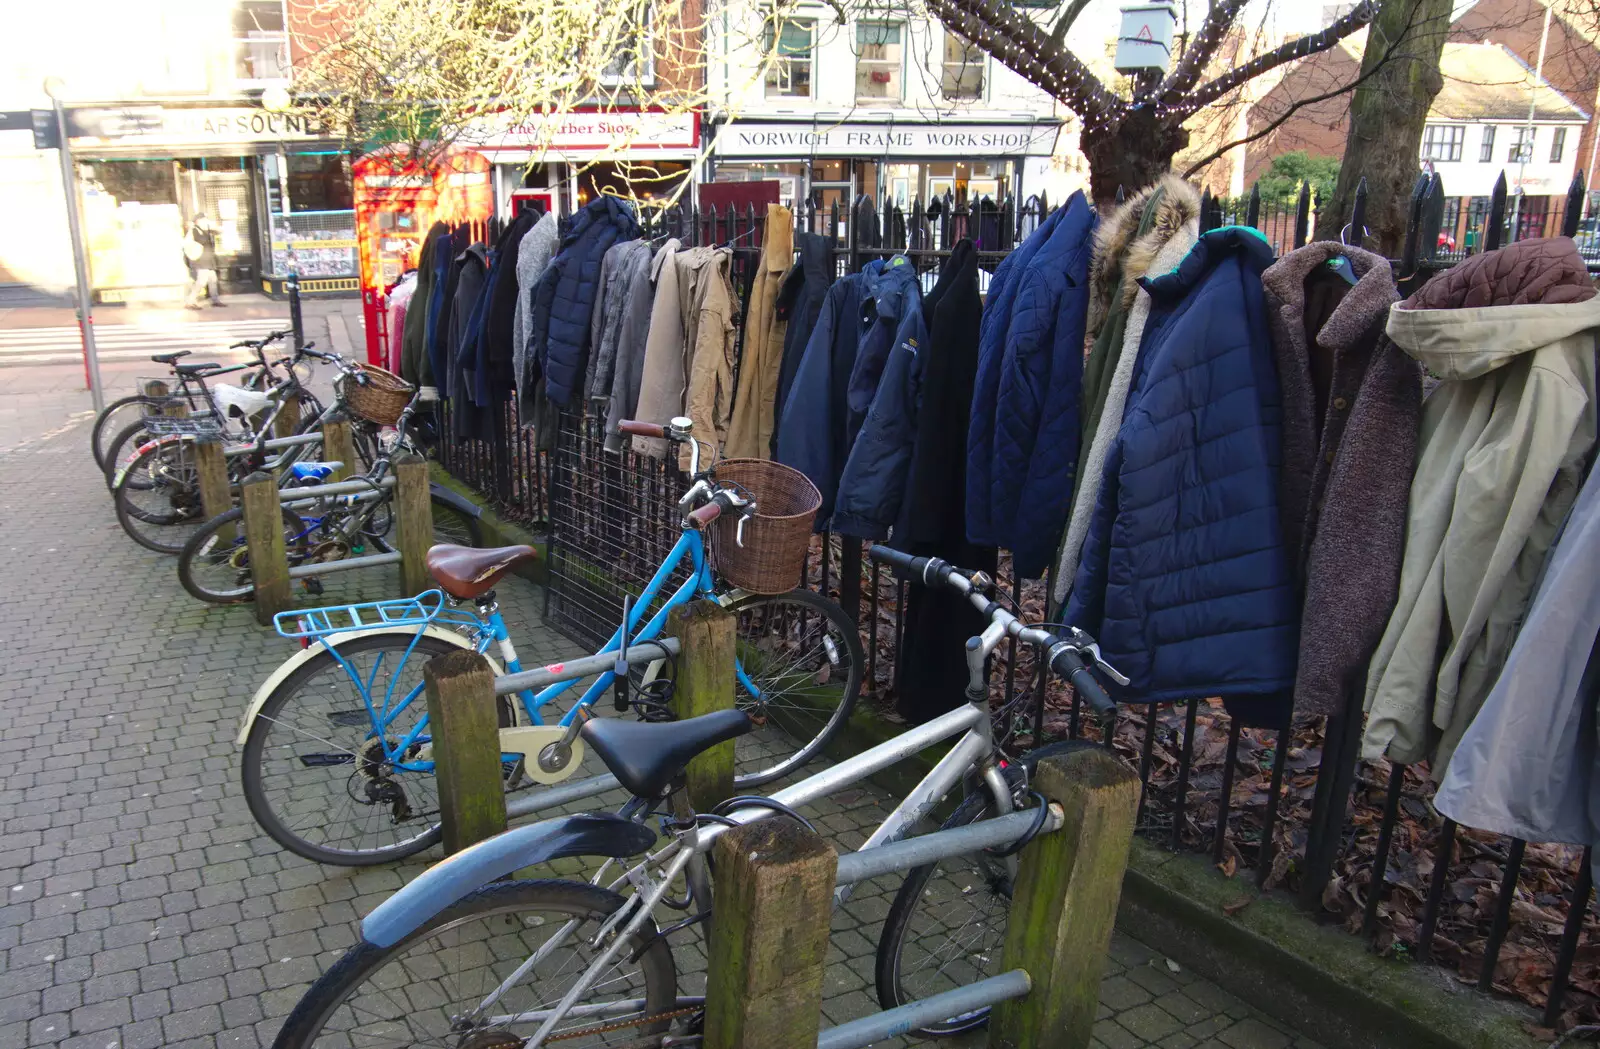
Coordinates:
x,y
540,749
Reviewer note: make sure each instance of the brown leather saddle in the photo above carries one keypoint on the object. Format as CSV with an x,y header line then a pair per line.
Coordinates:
x,y
465,572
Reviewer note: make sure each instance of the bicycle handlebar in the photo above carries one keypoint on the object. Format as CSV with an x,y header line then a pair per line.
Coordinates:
x,y
706,514
642,429
1065,654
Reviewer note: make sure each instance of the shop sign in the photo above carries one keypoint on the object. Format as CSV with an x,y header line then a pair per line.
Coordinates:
x,y
592,132
740,139
163,125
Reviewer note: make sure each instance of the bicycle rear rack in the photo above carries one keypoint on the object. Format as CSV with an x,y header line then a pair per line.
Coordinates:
x,y
427,607
200,427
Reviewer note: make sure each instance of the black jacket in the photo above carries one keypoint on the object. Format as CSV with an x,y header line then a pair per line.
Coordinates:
x,y
932,523
799,304
501,319
415,367
466,330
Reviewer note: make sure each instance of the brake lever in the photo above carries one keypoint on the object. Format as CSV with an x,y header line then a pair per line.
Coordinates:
x,y
738,531
1110,671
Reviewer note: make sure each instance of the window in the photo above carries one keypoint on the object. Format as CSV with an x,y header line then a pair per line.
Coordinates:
x,y
1443,141
788,41
1558,145
624,65
1487,153
1521,145
260,41
878,62
962,73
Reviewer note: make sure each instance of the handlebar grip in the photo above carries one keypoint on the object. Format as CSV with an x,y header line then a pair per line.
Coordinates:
x,y
1068,664
707,513
642,429
929,571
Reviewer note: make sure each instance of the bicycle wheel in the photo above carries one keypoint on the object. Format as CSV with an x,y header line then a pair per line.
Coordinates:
x,y
121,450
158,496
803,655
452,526
947,925
214,564
117,416
433,986
312,775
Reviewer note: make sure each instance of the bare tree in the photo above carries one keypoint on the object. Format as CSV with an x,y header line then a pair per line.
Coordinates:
x,y
1130,140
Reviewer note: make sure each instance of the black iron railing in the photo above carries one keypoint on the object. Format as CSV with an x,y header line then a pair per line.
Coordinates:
x,y
1287,804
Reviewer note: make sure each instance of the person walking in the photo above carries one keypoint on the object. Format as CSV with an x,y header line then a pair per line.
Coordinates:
x,y
200,251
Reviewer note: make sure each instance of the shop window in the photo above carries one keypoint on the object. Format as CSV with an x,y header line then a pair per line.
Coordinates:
x,y
260,41
1443,142
633,61
1486,154
788,43
961,76
1558,145
1521,150
878,61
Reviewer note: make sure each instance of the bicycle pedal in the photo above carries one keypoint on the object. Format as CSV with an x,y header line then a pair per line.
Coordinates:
x,y
313,586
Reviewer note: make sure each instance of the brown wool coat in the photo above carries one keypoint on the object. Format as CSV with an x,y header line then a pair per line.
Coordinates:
x,y
1352,401
750,432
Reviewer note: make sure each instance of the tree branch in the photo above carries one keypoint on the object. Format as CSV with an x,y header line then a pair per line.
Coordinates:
x,y
1303,47
1200,49
1058,32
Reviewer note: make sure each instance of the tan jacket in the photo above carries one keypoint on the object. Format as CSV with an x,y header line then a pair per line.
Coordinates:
x,y
1499,464
705,295
750,435
662,383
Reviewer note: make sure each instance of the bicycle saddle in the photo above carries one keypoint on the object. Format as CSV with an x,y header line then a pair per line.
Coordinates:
x,y
646,756
170,358
201,368
466,572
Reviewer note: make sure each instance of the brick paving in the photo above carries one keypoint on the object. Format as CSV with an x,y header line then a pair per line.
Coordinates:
x,y
140,906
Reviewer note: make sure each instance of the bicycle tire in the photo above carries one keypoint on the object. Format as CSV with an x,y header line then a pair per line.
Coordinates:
x,y
201,550
104,430
164,526
964,881
348,719
326,1000
121,449
762,756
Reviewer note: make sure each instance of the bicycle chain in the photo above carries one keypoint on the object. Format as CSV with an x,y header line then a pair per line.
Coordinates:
x,y
619,1025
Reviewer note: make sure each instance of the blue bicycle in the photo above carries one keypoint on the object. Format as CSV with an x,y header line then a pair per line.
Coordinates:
x,y
337,757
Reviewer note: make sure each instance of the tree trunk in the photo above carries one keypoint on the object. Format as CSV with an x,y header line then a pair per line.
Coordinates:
x,y
1386,118
1134,154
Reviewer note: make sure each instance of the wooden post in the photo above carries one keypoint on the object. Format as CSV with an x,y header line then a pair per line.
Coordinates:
x,y
1065,902
705,631
773,908
263,536
413,522
176,409
463,721
337,446
215,497
288,420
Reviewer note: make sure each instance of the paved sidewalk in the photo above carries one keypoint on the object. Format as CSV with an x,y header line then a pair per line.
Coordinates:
x,y
139,904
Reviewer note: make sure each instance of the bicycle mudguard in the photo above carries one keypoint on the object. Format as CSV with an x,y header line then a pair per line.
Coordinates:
x,y
294,662
455,500
594,834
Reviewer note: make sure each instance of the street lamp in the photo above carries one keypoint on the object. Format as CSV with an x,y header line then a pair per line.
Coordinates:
x,y
55,87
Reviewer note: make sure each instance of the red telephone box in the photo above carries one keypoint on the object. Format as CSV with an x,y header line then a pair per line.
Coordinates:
x,y
397,199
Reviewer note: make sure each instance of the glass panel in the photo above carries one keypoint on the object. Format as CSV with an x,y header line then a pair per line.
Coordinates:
x,y
1486,154
261,41
962,73
789,44
879,61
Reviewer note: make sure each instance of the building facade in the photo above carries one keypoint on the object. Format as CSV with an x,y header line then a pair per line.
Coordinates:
x,y
892,108
167,125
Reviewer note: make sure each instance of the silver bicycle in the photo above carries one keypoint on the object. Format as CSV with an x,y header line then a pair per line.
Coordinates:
x,y
464,959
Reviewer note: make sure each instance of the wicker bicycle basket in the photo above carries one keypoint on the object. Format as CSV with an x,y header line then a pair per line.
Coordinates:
x,y
777,537
381,398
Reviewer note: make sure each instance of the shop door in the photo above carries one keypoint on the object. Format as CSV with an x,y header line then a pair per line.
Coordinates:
x,y
824,195
224,198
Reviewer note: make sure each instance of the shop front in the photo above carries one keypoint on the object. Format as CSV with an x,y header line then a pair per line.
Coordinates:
x,y
563,162
829,160
275,188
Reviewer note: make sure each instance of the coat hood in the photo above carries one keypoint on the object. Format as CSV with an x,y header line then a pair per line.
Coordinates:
x,y
603,209
1121,256
1208,252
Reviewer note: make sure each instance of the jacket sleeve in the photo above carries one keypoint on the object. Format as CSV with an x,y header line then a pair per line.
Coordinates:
x,y
1086,605
873,485
805,436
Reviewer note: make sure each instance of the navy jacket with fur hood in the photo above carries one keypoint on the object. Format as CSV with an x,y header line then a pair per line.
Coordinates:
x,y
1185,575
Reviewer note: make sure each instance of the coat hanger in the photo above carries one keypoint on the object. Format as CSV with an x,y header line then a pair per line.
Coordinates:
x,y
1340,263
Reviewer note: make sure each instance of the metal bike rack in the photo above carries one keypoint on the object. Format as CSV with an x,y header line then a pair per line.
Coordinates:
x,y
897,1021
942,844
307,495
585,666
344,564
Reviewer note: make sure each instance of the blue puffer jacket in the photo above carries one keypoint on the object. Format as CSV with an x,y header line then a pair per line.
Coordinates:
x,y
1184,577
564,296
1022,450
813,428
891,297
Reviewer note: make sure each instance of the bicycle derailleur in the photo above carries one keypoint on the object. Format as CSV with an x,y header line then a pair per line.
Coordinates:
x,y
376,786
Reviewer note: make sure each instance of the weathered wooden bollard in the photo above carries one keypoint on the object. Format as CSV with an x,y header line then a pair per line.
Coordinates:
x,y
263,536
338,447
772,910
211,469
705,632
464,722
1065,902
413,518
